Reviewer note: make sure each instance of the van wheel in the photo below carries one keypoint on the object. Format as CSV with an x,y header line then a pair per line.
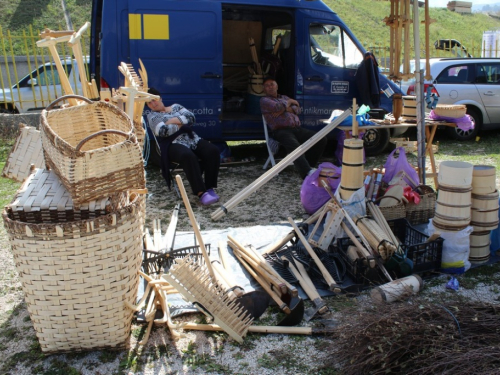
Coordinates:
x,y
467,135
376,141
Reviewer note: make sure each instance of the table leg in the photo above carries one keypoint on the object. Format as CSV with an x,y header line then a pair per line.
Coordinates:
x,y
429,135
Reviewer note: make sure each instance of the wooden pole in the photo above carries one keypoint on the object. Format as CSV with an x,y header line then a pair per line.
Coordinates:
x,y
257,184
50,43
76,45
326,275
194,224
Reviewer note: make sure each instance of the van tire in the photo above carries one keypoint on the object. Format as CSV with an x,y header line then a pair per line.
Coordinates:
x,y
460,135
376,141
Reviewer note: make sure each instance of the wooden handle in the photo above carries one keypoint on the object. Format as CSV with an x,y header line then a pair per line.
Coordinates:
x,y
282,305
312,294
273,282
254,329
326,275
192,219
354,120
102,132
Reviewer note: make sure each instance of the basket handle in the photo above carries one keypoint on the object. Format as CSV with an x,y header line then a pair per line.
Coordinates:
x,y
51,105
86,139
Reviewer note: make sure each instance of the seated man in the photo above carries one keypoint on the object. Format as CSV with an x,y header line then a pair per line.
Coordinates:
x,y
281,114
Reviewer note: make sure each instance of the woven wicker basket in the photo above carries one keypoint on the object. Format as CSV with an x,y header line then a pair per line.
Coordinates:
x,y
422,212
42,198
453,111
93,150
396,211
77,276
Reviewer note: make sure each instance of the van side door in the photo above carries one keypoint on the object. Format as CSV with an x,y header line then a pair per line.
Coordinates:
x,y
330,60
180,45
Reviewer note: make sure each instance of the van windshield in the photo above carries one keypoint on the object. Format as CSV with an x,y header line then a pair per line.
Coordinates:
x,y
331,46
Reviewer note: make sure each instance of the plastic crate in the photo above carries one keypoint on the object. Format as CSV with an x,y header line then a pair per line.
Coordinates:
x,y
426,256
358,270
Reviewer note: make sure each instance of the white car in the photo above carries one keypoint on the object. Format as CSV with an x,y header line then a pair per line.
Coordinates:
x,y
38,89
474,82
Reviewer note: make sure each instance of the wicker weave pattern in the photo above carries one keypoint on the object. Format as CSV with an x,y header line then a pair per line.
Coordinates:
x,y
26,151
422,212
76,277
43,199
106,164
396,211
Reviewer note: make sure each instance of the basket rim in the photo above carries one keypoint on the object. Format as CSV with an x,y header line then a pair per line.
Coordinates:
x,y
68,149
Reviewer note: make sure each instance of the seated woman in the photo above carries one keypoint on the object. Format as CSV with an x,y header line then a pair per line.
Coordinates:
x,y
180,144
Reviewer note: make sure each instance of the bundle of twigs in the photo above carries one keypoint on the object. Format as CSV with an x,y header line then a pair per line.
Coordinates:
x,y
452,337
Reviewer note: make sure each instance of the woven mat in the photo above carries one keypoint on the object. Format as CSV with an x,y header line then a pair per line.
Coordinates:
x,y
26,151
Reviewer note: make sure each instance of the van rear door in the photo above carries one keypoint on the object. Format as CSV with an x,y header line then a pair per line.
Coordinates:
x,y
182,45
330,61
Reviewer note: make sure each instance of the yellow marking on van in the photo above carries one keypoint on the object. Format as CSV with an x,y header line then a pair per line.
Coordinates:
x,y
156,26
135,27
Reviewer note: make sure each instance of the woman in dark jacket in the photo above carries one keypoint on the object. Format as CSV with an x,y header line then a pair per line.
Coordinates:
x,y
180,144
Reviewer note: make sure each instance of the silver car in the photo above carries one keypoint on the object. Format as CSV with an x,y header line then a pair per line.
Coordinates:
x,y
474,82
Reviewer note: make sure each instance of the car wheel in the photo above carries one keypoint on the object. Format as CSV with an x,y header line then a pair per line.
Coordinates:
x,y
376,141
467,135
7,111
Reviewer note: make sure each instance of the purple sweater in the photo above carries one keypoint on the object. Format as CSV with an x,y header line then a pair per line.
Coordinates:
x,y
274,111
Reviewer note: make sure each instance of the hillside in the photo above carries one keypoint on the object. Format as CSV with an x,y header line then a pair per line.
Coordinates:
x,y
366,21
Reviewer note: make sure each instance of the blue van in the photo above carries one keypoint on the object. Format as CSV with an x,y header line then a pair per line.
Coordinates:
x,y
198,53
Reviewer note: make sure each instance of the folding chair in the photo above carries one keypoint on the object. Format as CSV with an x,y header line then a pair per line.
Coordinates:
x,y
156,147
272,146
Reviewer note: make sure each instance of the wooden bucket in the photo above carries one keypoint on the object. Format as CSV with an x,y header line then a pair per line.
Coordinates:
x,y
485,211
479,247
256,84
410,107
352,176
453,208
484,179
456,174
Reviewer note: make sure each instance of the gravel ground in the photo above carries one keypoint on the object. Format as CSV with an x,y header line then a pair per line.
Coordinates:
x,y
205,352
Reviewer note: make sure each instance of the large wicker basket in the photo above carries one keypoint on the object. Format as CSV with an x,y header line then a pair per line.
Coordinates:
x,y
76,277
422,212
93,150
396,210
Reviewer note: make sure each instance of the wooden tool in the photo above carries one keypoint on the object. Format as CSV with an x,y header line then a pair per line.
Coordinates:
x,y
257,184
50,43
199,286
261,262
333,219
194,225
326,275
75,44
309,289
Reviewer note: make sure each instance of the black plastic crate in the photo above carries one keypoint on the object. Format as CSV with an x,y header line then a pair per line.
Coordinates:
x,y
358,270
426,256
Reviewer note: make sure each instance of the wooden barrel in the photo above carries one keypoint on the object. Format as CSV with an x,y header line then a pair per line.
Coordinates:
x,y
256,84
484,211
479,247
453,208
484,179
352,176
409,107
456,174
